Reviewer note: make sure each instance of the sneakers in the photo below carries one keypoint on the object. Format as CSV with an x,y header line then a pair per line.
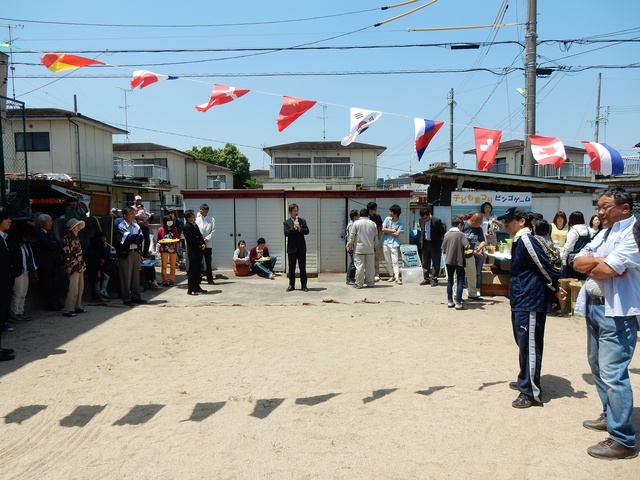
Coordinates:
x,y
599,424
376,278
350,282
272,277
17,318
477,298
451,304
460,307
391,280
525,402
155,286
514,386
355,285
609,449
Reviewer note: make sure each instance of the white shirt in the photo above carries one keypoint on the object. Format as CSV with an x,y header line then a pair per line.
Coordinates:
x,y
206,224
621,293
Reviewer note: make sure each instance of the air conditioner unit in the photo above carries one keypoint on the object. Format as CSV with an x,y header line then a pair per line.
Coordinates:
x,y
441,164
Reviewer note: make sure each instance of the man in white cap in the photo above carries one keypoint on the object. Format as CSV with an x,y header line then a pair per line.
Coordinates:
x,y
143,217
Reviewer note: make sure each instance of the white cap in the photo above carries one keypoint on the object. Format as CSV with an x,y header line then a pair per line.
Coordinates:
x,y
137,197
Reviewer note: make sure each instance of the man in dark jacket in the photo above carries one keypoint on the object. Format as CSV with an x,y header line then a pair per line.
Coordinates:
x,y
128,247
45,250
295,228
532,284
430,243
195,251
6,279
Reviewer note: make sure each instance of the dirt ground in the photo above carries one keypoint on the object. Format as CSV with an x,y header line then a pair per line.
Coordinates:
x,y
250,382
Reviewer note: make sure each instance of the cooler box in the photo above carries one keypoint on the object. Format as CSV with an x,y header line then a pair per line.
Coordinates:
x,y
411,275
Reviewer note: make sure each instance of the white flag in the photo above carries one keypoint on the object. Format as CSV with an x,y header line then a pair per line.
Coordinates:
x,y
360,121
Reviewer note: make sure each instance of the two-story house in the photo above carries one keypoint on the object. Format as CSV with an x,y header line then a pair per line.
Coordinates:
x,y
160,169
322,166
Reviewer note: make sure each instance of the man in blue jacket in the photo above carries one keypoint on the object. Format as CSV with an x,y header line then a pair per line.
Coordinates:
x,y
532,284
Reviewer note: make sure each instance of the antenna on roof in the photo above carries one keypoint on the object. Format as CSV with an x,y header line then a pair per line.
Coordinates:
x,y
126,116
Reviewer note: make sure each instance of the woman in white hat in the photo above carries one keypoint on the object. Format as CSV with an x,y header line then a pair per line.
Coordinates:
x,y
74,266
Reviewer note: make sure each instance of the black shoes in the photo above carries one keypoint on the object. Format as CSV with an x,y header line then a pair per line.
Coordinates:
x,y
6,354
514,386
305,289
79,310
289,288
525,402
424,282
611,450
195,294
68,314
139,301
200,291
599,424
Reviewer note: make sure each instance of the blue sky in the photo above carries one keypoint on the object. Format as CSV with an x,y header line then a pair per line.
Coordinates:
x,y
164,113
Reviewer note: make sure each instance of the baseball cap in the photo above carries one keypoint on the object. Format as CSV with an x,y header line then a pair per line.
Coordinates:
x,y
513,212
137,197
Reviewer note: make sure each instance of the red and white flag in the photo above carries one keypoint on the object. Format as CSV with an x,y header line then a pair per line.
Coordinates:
x,y
143,78
222,94
292,109
360,120
547,150
487,142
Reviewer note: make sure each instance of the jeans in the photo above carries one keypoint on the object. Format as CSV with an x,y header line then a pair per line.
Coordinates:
x,y
459,273
265,269
351,269
611,342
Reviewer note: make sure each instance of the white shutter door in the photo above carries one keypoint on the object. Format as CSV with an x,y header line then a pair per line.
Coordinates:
x,y
333,218
224,236
270,227
246,221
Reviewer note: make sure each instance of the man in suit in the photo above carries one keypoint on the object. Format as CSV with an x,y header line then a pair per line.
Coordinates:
x,y
430,242
195,250
6,279
295,228
45,250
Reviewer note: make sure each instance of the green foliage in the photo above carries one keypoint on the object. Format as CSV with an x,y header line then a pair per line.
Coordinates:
x,y
228,157
252,183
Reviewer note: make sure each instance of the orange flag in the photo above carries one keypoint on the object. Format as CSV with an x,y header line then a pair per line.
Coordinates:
x,y
292,109
57,62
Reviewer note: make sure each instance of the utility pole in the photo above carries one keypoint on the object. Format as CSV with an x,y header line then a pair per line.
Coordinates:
x,y
597,122
451,103
126,113
530,86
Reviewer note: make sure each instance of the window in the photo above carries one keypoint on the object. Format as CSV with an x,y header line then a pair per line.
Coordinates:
x,y
32,142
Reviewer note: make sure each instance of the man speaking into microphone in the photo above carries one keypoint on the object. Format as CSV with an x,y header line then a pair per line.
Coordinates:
x,y
295,228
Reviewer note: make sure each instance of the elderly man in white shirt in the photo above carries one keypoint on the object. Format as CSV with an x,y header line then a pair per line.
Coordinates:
x,y
206,224
610,302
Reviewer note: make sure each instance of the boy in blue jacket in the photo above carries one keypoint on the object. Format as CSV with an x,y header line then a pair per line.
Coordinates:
x,y
533,283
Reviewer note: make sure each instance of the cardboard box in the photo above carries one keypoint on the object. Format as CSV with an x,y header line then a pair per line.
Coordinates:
x,y
411,275
495,284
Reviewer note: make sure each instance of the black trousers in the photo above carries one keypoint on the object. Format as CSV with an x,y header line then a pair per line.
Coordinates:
x,y
193,273
207,261
301,259
431,253
48,287
146,241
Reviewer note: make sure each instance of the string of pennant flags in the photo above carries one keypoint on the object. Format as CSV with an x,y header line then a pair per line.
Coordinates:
x,y
545,150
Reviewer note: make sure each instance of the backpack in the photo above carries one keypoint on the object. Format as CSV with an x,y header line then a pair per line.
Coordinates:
x,y
582,241
553,254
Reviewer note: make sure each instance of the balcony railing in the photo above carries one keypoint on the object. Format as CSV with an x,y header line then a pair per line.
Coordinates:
x,y
123,167
311,170
631,168
152,171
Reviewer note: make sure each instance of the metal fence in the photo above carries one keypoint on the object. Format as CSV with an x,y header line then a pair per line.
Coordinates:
x,y
14,171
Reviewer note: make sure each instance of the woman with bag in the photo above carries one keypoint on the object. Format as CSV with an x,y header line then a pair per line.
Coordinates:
x,y
577,237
